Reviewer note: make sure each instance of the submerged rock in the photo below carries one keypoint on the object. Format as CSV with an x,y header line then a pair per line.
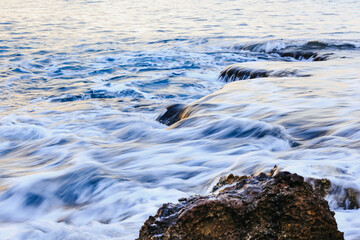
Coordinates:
x,y
177,112
351,199
237,72
295,51
321,186
173,114
304,55
252,207
347,198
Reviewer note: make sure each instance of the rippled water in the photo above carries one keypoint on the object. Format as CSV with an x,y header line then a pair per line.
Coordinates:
x,y
83,82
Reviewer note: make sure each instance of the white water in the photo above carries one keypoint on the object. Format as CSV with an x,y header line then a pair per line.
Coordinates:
x,y
82,83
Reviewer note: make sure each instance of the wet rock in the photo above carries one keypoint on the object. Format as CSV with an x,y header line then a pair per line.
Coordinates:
x,y
228,180
282,206
351,200
321,186
237,72
304,55
294,51
347,198
177,112
172,114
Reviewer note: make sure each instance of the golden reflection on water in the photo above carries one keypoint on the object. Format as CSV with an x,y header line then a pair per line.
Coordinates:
x,y
59,23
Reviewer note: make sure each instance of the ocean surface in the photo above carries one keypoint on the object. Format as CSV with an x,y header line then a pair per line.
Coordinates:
x,y
83,82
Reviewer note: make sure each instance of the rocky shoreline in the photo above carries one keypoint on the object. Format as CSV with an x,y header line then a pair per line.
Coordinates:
x,y
277,205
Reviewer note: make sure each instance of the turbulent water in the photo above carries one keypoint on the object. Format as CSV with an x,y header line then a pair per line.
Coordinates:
x,y
83,82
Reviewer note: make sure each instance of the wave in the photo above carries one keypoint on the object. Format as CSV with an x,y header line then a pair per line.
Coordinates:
x,y
35,197
301,50
211,127
22,132
127,93
272,46
228,128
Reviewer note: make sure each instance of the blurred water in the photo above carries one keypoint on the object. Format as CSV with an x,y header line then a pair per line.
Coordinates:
x,y
82,83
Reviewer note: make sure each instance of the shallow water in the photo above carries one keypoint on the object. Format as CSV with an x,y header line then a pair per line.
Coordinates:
x,y
83,82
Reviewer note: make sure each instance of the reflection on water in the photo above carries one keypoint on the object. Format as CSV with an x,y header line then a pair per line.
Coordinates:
x,y
83,82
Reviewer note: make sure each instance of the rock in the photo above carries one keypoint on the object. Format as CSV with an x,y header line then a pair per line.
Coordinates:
x,y
303,52
321,186
268,207
177,112
237,72
351,200
173,114
305,55
347,198
223,181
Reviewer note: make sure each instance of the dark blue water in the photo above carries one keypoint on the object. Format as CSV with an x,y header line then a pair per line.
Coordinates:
x,y
83,82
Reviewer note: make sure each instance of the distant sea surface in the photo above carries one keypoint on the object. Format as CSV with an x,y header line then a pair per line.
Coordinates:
x,y
83,82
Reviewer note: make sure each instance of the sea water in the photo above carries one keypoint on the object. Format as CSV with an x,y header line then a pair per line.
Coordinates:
x,y
83,82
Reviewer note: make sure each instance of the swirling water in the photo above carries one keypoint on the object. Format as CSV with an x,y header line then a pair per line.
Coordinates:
x,y
82,83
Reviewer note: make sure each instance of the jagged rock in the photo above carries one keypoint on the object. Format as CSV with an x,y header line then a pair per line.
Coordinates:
x,y
261,207
347,198
321,186
351,200
224,181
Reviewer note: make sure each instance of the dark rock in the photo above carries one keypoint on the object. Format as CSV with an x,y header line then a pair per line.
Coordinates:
x,y
298,52
176,112
282,206
223,181
172,114
347,198
321,186
237,72
351,200
304,55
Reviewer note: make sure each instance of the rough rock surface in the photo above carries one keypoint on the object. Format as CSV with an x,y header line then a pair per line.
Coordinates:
x,y
347,198
261,207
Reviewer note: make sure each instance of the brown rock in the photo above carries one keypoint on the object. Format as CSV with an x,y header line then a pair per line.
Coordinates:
x,y
321,186
347,198
261,207
176,112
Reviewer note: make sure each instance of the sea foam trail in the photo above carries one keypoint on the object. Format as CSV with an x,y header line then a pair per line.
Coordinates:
x,y
300,45
242,99
82,83
299,50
